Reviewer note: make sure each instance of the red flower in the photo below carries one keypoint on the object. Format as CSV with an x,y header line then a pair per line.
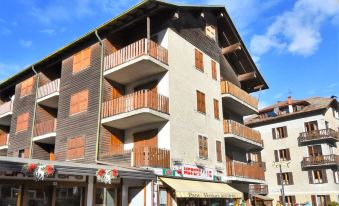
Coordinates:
x,y
50,170
101,172
115,173
31,167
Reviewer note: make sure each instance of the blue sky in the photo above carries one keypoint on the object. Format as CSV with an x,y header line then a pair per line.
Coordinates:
x,y
295,44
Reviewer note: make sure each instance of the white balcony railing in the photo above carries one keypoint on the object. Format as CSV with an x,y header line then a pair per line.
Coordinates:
x,y
6,107
48,89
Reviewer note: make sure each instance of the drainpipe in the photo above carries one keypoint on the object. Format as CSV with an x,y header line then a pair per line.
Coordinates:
x,y
100,94
34,111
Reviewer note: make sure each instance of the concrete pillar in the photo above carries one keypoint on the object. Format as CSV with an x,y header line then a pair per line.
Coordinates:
x,y
90,191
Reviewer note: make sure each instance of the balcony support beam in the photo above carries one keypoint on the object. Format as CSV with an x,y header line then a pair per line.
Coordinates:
x,y
148,28
231,48
246,76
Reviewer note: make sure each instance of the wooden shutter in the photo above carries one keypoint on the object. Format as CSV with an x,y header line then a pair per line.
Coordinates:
x,y
310,177
290,178
201,147
26,87
147,138
199,63
82,60
214,69
288,154
22,122
117,91
205,144
285,132
324,176
274,135
276,155
327,199
79,102
314,201
75,148
219,156
293,199
117,144
216,108
278,179
201,107
152,86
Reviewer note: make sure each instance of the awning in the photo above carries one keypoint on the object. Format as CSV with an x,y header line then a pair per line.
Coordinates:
x,y
199,189
262,197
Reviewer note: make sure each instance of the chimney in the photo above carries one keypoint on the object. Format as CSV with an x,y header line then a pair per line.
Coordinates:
x,y
290,107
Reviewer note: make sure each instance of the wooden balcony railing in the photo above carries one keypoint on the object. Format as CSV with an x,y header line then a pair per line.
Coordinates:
x,y
258,189
322,160
6,107
4,139
318,135
49,88
151,157
229,88
232,127
134,50
245,170
134,101
45,127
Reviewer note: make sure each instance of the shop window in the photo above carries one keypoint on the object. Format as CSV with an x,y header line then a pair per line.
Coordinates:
x,y
201,106
218,149
10,194
203,147
22,122
27,87
82,60
71,196
287,178
79,102
210,32
279,132
214,69
216,108
105,196
282,155
199,60
76,148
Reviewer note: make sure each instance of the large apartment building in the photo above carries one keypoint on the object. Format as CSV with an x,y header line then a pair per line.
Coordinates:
x,y
304,134
155,96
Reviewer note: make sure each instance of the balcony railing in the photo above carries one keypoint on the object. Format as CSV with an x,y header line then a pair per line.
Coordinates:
x,y
229,88
134,50
4,139
6,107
45,127
151,157
258,189
134,101
232,127
246,170
48,89
318,135
323,160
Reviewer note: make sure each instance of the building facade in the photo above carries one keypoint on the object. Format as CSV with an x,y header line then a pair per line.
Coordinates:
x,y
303,134
157,95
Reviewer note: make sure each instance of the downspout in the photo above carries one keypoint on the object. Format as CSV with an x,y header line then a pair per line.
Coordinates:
x,y
100,94
34,111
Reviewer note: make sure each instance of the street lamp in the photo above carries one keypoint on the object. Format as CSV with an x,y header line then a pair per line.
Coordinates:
x,y
279,164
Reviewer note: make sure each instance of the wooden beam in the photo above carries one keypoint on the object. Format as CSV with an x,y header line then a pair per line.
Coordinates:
x,y
247,76
231,48
259,87
148,28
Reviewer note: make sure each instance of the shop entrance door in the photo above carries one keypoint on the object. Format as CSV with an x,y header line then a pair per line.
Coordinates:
x,y
72,196
38,196
136,196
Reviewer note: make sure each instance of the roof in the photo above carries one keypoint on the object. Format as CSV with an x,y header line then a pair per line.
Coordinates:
x,y
312,104
122,19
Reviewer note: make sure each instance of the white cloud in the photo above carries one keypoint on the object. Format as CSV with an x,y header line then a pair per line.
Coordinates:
x,y
297,31
52,31
26,43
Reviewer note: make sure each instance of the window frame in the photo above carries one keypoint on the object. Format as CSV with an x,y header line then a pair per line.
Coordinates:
x,y
216,109
26,87
22,119
199,60
76,100
201,102
84,60
214,70
76,143
203,147
218,150
280,132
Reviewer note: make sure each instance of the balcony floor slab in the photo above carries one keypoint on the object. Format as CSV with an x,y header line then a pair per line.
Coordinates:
x,y
238,106
242,142
46,138
50,100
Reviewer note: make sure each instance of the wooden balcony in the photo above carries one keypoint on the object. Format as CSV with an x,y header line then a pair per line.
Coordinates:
x,y
258,189
239,100
138,108
136,61
45,132
242,136
4,138
319,135
48,95
246,172
6,111
320,161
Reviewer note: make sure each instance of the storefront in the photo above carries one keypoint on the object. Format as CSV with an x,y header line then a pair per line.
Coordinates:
x,y
72,184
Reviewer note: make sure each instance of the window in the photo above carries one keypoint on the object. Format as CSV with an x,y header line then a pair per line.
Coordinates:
x,y
79,102
22,122
164,198
218,149
82,60
289,200
210,32
214,69
317,176
26,87
282,155
311,126
199,60
203,147
314,151
279,132
287,178
336,176
216,108
335,113
320,200
23,153
76,148
201,106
